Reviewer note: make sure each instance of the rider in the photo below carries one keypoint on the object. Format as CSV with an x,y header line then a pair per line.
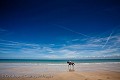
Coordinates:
x,y
70,61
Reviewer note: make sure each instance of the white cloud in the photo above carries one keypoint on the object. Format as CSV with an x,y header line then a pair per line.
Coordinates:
x,y
92,48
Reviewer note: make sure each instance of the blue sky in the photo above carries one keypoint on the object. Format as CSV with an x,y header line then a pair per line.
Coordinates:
x,y
59,29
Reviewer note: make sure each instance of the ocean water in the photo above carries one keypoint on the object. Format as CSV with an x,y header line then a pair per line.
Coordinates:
x,y
57,61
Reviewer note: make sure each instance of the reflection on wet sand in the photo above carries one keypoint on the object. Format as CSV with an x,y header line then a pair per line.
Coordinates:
x,y
71,70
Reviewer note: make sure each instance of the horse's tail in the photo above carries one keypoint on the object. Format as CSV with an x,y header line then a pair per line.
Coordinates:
x,y
73,64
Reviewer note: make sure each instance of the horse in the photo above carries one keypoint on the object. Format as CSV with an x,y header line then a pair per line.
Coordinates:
x,y
70,63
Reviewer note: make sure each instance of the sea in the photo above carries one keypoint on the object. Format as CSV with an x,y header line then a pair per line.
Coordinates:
x,y
57,61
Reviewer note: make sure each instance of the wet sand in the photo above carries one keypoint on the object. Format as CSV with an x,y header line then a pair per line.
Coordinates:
x,y
37,71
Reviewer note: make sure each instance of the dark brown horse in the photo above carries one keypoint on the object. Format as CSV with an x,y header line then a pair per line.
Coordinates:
x,y
71,69
70,63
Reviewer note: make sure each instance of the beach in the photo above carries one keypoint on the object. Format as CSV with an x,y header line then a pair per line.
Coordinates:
x,y
61,71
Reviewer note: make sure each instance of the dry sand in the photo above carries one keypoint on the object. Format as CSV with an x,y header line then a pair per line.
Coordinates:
x,y
104,71
99,75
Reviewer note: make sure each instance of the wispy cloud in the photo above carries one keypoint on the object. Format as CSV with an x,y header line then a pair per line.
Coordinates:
x,y
107,39
2,30
68,29
91,48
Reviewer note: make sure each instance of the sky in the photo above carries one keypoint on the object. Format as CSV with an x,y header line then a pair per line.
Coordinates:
x,y
59,29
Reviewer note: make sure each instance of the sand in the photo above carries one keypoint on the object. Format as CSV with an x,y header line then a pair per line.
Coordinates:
x,y
99,75
27,71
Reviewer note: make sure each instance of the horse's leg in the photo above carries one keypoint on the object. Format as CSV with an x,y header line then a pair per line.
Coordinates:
x,y
73,67
68,66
